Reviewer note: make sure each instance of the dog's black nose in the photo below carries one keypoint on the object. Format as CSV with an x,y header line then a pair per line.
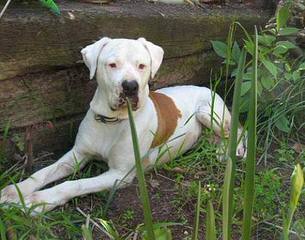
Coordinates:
x,y
130,88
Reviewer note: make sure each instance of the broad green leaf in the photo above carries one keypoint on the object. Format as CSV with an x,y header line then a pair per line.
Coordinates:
x,y
301,67
249,45
259,88
280,50
267,81
288,31
270,67
51,5
287,76
248,75
220,48
282,17
296,75
286,44
245,87
283,124
266,39
283,47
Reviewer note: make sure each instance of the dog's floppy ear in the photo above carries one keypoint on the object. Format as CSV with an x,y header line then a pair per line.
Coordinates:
x,y
156,55
91,53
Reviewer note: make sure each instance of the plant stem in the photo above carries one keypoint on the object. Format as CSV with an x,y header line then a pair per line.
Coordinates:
x,y
251,156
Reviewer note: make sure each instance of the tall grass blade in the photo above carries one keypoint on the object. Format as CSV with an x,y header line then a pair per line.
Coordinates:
x,y
110,229
233,141
2,230
251,156
197,215
210,222
227,202
297,183
140,175
87,234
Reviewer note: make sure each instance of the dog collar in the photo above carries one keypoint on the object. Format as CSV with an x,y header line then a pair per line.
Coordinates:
x,y
105,119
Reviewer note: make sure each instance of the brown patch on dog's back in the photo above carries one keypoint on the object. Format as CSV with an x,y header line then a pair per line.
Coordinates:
x,y
168,115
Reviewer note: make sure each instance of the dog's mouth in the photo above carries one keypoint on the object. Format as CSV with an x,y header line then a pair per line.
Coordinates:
x,y
122,102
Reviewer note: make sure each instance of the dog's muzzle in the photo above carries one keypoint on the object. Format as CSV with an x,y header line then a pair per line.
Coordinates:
x,y
130,90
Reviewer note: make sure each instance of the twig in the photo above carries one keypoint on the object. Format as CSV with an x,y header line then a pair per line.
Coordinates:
x,y
29,149
281,228
93,222
5,7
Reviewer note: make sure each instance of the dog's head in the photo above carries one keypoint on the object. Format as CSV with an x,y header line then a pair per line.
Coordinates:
x,y
123,68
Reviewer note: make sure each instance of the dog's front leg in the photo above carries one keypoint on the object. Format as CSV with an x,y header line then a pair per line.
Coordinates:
x,y
62,168
58,195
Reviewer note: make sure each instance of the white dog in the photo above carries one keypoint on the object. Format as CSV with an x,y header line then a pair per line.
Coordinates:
x,y
173,115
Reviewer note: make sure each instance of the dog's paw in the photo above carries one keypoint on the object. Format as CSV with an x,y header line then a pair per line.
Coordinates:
x,y
241,150
9,195
42,201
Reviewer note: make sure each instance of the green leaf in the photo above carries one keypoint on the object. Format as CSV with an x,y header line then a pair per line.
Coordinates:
x,y
270,67
220,48
282,17
250,164
249,45
297,184
229,179
296,75
301,67
2,230
282,47
51,5
235,52
286,44
210,222
266,39
288,31
259,88
160,234
267,82
245,87
197,214
148,221
87,234
282,124
110,229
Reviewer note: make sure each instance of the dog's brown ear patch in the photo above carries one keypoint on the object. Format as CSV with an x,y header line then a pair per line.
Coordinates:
x,y
168,115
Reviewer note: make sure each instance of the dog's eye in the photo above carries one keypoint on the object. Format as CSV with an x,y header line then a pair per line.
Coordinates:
x,y
141,66
112,65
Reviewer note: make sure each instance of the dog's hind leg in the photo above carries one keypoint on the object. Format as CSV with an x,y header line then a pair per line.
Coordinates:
x,y
65,166
214,114
60,194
